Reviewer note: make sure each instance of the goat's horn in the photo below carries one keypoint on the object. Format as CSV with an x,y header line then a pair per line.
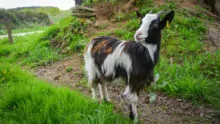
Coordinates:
x,y
151,12
161,13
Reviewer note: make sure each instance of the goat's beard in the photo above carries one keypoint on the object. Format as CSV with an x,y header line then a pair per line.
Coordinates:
x,y
140,41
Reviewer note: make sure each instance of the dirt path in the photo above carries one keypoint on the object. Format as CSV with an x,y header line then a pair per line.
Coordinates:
x,y
165,110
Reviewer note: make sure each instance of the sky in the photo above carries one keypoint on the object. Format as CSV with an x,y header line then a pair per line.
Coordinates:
x,y
62,4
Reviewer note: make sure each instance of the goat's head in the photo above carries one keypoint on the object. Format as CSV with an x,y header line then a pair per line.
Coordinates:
x,y
151,25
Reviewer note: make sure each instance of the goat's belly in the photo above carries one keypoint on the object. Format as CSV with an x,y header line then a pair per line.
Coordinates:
x,y
118,72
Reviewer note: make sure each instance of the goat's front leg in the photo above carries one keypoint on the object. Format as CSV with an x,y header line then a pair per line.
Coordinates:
x,y
104,92
156,77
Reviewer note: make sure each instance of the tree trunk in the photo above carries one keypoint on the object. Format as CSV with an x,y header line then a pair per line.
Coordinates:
x,y
10,36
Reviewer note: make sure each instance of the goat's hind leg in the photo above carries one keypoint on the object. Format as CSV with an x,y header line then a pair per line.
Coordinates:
x,y
131,97
133,106
93,84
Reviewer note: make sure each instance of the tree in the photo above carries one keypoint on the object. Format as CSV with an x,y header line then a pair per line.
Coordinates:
x,y
8,20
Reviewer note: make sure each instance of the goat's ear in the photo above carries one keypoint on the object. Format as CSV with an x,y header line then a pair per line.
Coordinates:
x,y
139,15
166,20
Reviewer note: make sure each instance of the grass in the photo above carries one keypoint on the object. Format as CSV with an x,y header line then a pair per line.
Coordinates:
x,y
33,29
35,49
25,99
28,50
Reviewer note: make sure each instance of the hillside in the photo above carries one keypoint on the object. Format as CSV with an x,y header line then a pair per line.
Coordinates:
x,y
189,65
36,17
49,10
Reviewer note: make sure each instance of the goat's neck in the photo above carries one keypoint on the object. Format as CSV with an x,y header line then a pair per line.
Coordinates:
x,y
153,49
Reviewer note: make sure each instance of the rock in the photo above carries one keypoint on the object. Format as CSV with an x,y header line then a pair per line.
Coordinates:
x,y
88,21
96,24
213,36
215,6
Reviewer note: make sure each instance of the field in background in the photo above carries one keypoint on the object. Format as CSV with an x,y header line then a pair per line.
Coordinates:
x,y
54,14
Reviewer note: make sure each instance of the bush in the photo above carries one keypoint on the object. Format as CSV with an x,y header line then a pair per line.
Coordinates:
x,y
67,34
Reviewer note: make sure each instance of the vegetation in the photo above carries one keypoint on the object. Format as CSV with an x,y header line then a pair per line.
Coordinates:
x,y
49,10
35,49
25,99
68,35
29,51
26,19
8,20
187,70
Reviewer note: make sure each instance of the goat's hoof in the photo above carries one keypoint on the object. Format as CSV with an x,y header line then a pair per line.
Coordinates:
x,y
124,97
95,99
106,101
156,77
135,121
134,118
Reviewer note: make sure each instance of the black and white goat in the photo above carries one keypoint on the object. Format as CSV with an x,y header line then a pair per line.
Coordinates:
x,y
107,58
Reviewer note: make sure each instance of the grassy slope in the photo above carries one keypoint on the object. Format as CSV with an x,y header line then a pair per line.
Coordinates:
x,y
193,74
25,99
27,50
34,49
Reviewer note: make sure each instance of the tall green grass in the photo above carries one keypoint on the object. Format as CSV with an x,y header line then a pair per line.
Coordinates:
x,y
25,99
28,50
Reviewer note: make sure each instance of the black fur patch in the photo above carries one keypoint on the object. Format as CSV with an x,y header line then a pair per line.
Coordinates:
x,y
102,47
142,65
131,115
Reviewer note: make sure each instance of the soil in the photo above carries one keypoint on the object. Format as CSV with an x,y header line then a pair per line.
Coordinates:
x,y
164,109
